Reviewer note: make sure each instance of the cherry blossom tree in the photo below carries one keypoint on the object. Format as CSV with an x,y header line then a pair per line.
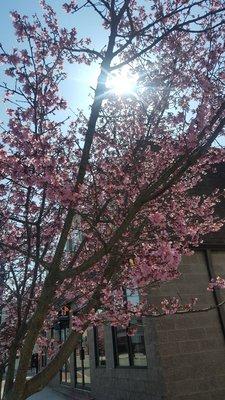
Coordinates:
x,y
115,186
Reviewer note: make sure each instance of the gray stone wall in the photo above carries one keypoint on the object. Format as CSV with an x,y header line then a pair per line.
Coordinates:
x,y
191,347
185,353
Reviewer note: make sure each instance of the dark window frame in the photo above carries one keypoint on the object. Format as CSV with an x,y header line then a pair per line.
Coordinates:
x,y
67,371
64,325
78,385
127,297
97,358
130,352
44,359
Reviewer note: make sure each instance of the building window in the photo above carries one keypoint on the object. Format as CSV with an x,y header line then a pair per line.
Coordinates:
x,y
82,364
99,339
44,359
34,362
65,372
129,350
121,342
132,296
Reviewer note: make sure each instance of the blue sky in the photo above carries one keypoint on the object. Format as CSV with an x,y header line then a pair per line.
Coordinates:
x,y
76,89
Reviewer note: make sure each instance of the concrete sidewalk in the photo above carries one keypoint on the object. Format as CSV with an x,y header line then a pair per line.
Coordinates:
x,y
48,394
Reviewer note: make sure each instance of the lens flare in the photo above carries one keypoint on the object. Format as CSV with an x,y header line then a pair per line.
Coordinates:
x,y
122,82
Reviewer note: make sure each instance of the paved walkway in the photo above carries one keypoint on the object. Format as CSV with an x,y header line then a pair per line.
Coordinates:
x,y
47,394
50,394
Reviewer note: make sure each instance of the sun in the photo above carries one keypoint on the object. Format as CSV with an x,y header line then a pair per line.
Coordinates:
x,y
122,82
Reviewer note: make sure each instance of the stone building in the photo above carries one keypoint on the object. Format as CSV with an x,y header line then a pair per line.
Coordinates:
x,y
179,357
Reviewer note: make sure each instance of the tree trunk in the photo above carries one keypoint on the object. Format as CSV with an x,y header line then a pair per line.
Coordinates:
x,y
1,381
10,369
11,396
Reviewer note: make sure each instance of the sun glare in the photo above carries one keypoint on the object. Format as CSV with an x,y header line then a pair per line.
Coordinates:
x,y
122,83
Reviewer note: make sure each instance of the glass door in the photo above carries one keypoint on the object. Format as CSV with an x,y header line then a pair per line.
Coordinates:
x,y
82,364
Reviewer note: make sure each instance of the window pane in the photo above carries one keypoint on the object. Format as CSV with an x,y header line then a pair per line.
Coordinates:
x,y
82,370
63,374
100,346
132,296
79,380
122,347
44,359
64,334
68,378
65,371
130,350
87,379
138,348
68,373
